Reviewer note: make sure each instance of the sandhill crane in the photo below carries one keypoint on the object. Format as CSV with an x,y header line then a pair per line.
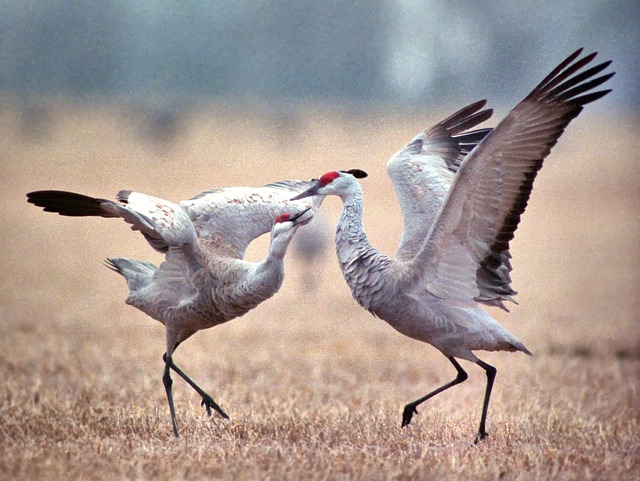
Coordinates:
x,y
203,282
458,217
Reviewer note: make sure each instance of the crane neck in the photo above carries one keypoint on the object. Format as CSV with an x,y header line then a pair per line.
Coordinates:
x,y
271,269
362,265
351,239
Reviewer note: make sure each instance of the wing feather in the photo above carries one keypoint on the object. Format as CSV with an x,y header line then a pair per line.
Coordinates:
x,y
423,170
163,223
490,192
228,219
422,174
241,214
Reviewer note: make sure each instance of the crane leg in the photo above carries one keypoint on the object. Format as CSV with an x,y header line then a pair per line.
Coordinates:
x,y
207,401
491,375
410,409
168,382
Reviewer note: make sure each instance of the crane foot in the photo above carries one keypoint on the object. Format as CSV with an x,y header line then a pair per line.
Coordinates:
x,y
208,403
407,414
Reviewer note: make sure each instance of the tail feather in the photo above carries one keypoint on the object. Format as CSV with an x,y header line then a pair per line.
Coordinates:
x,y
137,273
521,347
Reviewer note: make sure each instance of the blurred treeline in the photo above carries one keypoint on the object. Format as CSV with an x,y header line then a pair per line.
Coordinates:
x,y
360,52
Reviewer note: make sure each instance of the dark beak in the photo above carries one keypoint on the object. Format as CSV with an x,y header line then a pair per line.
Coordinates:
x,y
294,218
307,193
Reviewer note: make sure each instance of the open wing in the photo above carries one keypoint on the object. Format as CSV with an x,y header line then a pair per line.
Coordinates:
x,y
491,190
422,172
225,219
241,214
162,223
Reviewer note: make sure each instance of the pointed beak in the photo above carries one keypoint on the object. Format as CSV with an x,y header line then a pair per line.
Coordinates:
x,y
296,219
307,193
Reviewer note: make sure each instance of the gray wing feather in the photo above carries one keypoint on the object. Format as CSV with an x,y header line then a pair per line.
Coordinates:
x,y
163,223
422,174
491,190
241,214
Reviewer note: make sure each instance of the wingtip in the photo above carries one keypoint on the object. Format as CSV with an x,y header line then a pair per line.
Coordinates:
x,y
123,196
590,57
479,104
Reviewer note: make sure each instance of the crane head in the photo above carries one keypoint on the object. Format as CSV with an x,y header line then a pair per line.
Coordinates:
x,y
295,219
332,183
284,228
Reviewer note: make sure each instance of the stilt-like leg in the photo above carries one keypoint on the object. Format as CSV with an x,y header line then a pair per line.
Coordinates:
x,y
207,401
410,409
491,375
167,381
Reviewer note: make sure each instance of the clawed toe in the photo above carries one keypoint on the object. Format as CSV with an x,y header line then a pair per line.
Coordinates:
x,y
208,403
407,414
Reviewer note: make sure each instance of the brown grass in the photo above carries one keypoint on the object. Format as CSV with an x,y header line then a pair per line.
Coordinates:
x,y
314,385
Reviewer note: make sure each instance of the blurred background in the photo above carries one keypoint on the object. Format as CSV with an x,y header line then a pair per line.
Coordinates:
x,y
407,52
174,98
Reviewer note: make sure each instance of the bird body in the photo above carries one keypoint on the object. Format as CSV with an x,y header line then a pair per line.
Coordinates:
x,y
206,287
392,290
462,194
203,281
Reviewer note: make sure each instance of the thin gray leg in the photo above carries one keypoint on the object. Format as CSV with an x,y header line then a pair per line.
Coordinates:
x,y
410,409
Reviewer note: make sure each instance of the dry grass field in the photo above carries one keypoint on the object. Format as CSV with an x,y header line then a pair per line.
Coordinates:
x,y
314,385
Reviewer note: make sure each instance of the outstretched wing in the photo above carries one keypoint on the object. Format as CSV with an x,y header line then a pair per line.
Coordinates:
x,y
241,214
422,172
162,223
491,190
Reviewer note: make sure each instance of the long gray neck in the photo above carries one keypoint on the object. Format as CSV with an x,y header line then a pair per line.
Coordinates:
x,y
351,238
270,271
360,262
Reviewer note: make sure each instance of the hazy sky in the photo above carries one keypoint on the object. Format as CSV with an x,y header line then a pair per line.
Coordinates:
x,y
406,51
